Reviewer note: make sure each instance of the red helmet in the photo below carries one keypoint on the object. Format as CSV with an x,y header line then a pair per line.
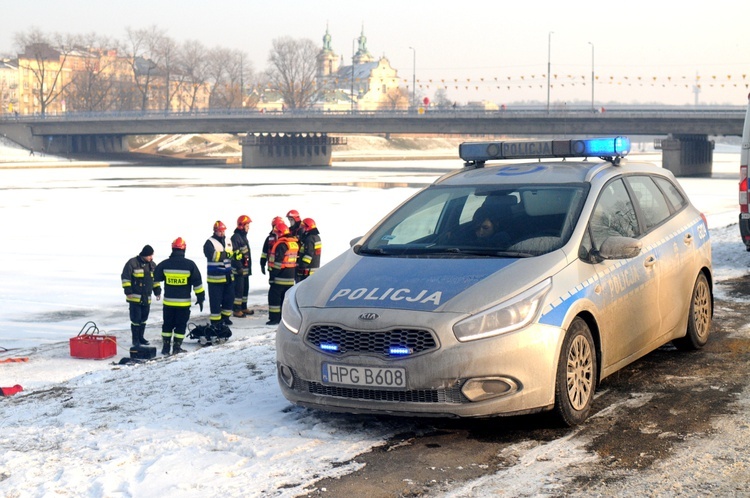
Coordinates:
x,y
243,220
293,214
179,243
308,224
280,228
277,219
219,226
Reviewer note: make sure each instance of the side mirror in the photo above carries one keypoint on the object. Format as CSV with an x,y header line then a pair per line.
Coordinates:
x,y
354,241
619,248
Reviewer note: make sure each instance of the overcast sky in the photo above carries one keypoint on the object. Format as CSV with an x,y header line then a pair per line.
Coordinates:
x,y
643,51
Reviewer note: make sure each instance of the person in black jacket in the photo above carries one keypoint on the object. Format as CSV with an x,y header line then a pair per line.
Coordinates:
x,y
310,247
179,275
138,284
268,243
241,267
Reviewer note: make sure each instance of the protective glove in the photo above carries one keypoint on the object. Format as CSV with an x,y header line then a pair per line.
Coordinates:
x,y
200,303
263,269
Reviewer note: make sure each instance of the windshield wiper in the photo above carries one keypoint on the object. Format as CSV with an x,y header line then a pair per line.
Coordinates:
x,y
378,251
487,252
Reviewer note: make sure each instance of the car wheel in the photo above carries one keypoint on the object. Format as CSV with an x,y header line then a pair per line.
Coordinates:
x,y
576,374
699,317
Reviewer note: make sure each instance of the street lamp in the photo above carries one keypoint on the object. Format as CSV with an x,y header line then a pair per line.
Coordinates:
x,y
549,63
413,76
592,76
351,95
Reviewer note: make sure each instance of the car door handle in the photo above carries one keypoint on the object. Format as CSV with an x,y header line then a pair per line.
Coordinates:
x,y
650,261
688,239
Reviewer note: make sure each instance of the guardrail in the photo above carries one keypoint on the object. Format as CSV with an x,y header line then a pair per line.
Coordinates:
x,y
441,113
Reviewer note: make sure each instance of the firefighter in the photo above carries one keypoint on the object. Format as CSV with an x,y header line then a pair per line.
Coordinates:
x,y
282,262
241,267
138,284
219,254
268,243
309,249
179,275
295,222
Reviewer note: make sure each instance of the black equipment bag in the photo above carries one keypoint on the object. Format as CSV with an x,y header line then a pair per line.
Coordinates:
x,y
142,352
208,334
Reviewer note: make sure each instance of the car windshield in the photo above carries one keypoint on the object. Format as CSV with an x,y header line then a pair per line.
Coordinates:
x,y
480,221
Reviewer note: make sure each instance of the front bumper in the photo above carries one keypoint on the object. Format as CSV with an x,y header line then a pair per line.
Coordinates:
x,y
520,367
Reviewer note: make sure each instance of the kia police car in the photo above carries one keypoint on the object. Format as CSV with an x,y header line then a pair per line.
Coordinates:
x,y
503,289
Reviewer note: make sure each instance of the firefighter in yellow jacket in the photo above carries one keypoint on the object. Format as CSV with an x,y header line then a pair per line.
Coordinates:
x,y
179,275
219,254
282,264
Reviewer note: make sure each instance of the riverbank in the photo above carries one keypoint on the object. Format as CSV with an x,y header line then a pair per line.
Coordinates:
x,y
224,150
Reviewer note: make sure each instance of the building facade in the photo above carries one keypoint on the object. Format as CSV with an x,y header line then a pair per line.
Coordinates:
x,y
44,80
365,85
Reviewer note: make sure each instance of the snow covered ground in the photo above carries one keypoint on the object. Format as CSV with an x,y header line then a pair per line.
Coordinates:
x,y
211,422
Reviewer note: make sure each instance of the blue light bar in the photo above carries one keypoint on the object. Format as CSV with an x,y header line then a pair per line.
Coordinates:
x,y
479,152
328,346
399,351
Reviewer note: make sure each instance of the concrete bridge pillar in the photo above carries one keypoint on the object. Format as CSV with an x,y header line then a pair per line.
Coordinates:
x,y
687,155
270,150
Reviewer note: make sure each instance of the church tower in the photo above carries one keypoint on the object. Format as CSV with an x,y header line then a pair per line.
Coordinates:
x,y
362,56
328,61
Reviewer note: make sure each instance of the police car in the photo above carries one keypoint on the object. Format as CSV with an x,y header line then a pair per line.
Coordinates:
x,y
503,289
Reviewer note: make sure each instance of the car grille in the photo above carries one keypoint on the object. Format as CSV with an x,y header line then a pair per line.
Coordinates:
x,y
376,343
451,394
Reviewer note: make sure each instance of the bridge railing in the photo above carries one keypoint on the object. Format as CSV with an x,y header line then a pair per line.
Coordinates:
x,y
434,112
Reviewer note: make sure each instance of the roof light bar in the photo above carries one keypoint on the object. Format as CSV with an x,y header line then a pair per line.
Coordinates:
x,y
479,152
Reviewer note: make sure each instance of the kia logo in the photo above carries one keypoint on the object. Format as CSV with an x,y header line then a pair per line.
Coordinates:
x,y
369,316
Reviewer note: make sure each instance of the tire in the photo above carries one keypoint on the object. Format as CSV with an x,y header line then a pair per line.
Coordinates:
x,y
576,377
699,317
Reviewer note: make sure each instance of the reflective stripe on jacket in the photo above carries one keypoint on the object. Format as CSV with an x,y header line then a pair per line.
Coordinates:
x,y
283,254
138,280
218,254
179,275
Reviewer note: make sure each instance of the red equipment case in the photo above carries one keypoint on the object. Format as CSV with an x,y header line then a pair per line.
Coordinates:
x,y
91,345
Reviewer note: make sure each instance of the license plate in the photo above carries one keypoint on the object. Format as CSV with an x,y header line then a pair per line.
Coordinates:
x,y
348,375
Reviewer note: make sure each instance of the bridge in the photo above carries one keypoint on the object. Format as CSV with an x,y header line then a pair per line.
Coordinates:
x,y
302,137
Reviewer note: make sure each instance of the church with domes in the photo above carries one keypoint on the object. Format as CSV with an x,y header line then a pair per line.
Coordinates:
x,y
365,85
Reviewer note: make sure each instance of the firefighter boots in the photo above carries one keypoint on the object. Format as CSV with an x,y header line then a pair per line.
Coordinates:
x,y
166,344
135,334
176,349
141,335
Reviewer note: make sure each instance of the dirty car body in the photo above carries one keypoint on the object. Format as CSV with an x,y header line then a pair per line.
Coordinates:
x,y
589,266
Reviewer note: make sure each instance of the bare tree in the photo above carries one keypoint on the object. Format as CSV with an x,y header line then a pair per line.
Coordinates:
x,y
397,98
43,57
441,99
231,74
195,64
292,70
142,65
166,54
94,75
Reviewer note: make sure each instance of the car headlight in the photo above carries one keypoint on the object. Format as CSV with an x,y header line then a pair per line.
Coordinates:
x,y
511,315
290,313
